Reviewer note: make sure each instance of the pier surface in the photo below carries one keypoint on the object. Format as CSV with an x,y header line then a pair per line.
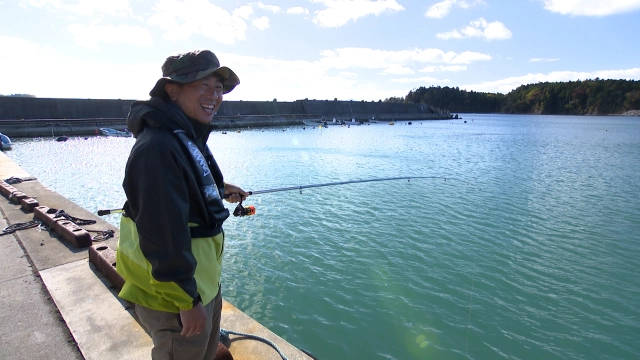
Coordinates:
x,y
55,304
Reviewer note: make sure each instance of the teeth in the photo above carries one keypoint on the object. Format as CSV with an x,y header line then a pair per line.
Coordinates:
x,y
207,106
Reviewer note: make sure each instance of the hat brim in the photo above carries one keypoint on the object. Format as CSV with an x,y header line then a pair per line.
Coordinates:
x,y
229,80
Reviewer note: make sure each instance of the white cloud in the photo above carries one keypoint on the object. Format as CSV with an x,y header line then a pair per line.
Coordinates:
x,y
297,10
243,11
348,74
425,79
84,7
273,8
443,8
181,19
9,46
506,85
82,78
591,7
543,59
441,68
479,28
298,79
90,35
398,70
335,73
261,23
343,58
340,12
468,57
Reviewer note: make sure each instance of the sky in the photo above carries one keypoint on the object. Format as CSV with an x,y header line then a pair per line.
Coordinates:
x,y
316,49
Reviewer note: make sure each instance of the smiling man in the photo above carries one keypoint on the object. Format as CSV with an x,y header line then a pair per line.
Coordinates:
x,y
171,237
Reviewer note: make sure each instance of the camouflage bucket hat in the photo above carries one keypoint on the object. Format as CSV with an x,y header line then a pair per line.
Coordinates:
x,y
192,66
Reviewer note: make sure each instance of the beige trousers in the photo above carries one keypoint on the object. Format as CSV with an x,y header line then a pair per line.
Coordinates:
x,y
165,329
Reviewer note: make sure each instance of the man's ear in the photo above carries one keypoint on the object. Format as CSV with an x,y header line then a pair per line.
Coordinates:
x,y
172,90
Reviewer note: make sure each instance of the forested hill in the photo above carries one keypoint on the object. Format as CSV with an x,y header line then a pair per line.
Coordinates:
x,y
589,97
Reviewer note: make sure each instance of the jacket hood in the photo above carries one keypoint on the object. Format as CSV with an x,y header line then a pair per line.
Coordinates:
x,y
156,112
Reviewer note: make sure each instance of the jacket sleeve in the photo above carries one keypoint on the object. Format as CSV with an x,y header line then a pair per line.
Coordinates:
x,y
158,195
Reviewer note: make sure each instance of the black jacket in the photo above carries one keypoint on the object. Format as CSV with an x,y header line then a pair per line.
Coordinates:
x,y
162,191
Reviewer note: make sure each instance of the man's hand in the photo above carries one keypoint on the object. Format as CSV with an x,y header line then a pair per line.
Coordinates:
x,y
235,194
193,320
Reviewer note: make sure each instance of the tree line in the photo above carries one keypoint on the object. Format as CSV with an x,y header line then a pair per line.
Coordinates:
x,y
588,97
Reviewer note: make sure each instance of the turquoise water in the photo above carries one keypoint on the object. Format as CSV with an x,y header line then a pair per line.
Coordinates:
x,y
529,250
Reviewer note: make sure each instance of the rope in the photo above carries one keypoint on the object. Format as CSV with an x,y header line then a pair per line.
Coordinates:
x,y
75,220
16,180
224,336
102,235
20,226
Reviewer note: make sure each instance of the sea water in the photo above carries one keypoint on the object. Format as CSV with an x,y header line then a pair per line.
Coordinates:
x,y
530,249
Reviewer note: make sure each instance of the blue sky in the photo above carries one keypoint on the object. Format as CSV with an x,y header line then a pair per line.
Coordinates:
x,y
316,49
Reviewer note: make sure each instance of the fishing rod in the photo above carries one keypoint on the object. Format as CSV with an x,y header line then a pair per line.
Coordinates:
x,y
300,187
251,210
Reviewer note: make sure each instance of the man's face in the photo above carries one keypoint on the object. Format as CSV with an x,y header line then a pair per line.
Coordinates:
x,y
199,99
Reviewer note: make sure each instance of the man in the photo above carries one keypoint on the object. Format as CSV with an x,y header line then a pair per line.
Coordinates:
x,y
171,237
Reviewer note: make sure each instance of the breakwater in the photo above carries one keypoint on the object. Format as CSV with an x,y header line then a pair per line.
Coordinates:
x,y
30,117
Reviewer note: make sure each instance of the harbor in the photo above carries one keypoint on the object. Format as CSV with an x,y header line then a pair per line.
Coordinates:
x,y
528,247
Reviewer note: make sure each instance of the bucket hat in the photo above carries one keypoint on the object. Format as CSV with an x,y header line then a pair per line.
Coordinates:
x,y
191,66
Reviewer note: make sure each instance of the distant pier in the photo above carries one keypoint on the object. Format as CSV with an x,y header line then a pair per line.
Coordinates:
x,y
39,117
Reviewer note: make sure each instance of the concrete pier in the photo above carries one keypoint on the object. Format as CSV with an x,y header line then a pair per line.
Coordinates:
x,y
55,304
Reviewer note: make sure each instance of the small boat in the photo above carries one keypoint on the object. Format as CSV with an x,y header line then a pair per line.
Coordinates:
x,y
334,122
6,143
313,122
116,133
392,123
62,138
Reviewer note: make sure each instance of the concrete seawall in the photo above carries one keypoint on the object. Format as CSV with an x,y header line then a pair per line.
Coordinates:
x,y
34,117
81,127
